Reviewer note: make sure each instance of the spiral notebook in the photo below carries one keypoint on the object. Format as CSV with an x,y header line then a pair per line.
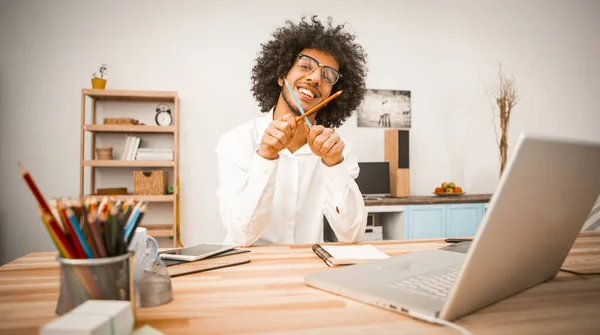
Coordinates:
x,y
334,255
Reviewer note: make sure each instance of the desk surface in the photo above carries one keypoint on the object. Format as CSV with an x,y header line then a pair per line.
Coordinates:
x,y
267,296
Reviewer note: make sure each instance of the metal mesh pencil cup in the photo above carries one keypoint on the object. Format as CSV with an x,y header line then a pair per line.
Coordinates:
x,y
108,278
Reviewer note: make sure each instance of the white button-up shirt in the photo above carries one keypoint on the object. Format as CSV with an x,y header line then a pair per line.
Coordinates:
x,y
283,200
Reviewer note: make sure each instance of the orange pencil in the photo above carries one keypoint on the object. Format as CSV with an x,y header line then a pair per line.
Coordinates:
x,y
66,222
42,202
319,106
46,219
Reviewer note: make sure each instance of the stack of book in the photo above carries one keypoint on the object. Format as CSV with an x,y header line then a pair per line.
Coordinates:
x,y
132,151
154,154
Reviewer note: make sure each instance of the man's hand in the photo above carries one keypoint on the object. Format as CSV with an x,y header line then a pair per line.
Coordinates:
x,y
325,143
278,136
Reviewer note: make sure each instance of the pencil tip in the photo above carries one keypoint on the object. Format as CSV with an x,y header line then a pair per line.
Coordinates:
x,y
22,168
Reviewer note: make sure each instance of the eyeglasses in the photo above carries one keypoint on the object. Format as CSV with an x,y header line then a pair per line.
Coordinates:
x,y
309,64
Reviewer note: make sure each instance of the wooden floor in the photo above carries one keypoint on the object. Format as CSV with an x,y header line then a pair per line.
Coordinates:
x,y
267,296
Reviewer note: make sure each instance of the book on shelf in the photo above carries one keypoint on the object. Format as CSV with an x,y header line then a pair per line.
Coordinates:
x,y
154,154
334,255
133,151
221,260
132,143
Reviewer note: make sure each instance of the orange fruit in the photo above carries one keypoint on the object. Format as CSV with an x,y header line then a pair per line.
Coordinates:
x,y
438,190
457,189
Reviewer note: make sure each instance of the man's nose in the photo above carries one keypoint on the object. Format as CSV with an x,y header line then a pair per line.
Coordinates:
x,y
316,76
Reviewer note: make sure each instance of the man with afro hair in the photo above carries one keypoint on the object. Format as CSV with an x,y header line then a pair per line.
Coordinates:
x,y
279,177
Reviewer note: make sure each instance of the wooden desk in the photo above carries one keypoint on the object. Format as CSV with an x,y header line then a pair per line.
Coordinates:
x,y
429,200
267,296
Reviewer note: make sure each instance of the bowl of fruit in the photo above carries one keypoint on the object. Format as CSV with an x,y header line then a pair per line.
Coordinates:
x,y
448,189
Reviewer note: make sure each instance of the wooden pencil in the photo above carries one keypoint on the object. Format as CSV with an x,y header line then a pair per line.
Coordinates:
x,y
319,106
42,202
73,239
78,233
129,233
87,233
46,219
112,230
95,229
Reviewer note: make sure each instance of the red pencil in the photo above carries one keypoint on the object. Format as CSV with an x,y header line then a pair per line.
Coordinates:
x,y
42,202
67,223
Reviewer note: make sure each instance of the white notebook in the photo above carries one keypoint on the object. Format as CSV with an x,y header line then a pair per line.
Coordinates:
x,y
347,254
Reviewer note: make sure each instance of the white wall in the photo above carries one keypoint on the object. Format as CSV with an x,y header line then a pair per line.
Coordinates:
x,y
444,52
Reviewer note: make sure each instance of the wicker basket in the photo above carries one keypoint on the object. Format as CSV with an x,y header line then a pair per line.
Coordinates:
x,y
104,153
153,182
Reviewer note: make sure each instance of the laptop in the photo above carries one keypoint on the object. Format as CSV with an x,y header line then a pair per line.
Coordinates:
x,y
543,198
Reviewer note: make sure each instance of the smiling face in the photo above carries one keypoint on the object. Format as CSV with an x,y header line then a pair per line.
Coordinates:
x,y
310,86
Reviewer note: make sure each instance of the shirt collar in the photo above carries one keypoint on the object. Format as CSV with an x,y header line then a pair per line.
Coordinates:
x,y
261,125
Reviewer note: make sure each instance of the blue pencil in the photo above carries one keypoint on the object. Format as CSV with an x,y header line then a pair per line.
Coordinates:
x,y
75,224
132,219
135,220
297,103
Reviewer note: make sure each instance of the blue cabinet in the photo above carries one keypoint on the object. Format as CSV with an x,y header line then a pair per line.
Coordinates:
x,y
438,221
429,221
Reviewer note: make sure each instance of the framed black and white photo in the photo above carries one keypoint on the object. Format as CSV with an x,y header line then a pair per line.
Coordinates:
x,y
385,109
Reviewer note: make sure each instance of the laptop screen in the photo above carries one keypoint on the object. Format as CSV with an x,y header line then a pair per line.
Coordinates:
x,y
374,179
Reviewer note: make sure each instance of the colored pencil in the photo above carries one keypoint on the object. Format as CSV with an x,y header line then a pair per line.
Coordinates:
x,y
88,227
289,87
78,233
72,236
320,105
46,219
42,202
130,232
95,229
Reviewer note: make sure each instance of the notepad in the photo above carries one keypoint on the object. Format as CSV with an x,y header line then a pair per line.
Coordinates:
x,y
225,259
334,255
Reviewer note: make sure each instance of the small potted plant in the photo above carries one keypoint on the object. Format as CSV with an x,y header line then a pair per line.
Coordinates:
x,y
98,80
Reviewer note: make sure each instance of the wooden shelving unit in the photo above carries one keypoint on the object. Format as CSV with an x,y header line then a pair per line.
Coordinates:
x,y
122,163
109,128
95,129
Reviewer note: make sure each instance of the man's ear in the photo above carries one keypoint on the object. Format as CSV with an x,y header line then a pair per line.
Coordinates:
x,y
280,79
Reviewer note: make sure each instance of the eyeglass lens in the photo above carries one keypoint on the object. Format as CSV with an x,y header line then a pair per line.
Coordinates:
x,y
329,74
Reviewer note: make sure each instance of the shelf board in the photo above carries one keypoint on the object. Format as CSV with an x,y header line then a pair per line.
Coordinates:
x,y
131,95
159,229
126,163
115,128
150,198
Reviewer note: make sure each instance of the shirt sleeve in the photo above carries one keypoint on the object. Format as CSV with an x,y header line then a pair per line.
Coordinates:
x,y
345,209
245,192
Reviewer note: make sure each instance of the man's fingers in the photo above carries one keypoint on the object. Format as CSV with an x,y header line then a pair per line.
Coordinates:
x,y
290,123
337,149
276,135
323,136
329,143
315,131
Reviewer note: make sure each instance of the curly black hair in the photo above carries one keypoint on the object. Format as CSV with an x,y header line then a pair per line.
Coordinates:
x,y
277,57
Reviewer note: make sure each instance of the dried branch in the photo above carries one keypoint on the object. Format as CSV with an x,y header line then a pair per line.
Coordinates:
x,y
506,98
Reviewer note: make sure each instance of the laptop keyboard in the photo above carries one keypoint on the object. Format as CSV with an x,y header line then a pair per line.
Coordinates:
x,y
435,284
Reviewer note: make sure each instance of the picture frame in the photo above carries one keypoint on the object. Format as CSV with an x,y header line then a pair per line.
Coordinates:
x,y
384,108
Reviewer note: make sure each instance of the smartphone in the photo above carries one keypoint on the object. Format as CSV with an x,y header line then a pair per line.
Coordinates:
x,y
196,252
